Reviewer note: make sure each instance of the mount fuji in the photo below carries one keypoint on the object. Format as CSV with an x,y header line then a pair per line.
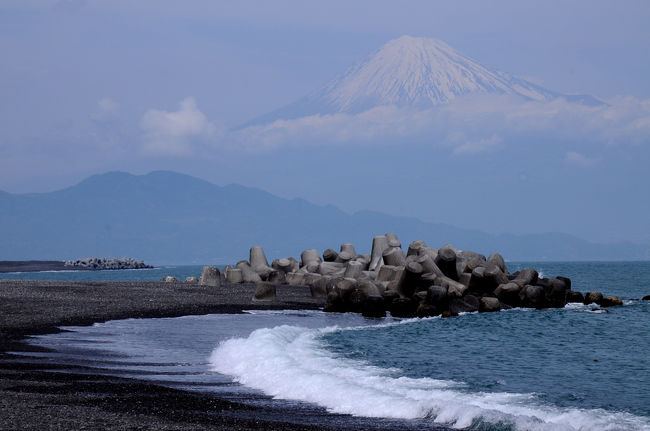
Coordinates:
x,y
412,72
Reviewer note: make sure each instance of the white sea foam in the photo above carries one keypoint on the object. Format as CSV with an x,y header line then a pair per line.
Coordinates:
x,y
287,312
292,363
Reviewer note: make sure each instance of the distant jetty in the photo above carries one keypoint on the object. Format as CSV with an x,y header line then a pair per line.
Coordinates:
x,y
85,264
107,263
419,282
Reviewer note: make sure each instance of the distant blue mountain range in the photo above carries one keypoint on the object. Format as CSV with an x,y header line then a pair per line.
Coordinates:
x,y
166,217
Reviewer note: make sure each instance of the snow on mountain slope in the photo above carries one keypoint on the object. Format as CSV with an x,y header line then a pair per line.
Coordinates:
x,y
415,72
420,72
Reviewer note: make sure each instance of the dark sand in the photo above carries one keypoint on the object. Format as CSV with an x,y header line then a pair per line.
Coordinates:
x,y
33,265
31,398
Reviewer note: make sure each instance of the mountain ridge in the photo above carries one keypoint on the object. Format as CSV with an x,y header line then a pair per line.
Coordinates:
x,y
165,217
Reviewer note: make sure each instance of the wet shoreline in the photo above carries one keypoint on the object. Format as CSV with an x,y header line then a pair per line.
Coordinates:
x,y
35,398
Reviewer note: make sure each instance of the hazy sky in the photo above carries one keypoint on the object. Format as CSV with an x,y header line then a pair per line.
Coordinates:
x,y
92,86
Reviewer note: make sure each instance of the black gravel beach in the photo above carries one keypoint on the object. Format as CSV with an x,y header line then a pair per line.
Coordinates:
x,y
32,265
35,398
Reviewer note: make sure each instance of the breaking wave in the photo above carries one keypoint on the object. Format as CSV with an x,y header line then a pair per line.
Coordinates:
x,y
293,363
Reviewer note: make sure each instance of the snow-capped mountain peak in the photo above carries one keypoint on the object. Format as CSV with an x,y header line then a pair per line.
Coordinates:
x,y
419,71
415,72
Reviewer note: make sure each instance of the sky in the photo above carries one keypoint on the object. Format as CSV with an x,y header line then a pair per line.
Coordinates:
x,y
93,86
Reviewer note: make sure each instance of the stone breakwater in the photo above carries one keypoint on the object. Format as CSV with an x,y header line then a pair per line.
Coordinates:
x,y
420,281
107,263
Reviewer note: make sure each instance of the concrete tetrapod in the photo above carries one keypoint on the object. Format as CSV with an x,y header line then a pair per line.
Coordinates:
x,y
282,265
210,276
498,260
415,247
446,261
258,262
247,273
344,257
331,268
234,275
353,269
330,255
379,244
394,256
393,241
309,256
264,292
423,282
348,247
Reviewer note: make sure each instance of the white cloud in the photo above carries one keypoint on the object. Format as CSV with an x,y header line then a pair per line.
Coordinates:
x,y
107,108
173,133
108,105
576,158
465,127
480,146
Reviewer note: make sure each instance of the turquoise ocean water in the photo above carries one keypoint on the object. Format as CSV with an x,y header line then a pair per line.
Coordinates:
x,y
577,368
149,274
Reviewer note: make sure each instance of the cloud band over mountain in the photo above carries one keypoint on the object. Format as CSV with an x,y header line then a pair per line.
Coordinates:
x,y
624,121
423,91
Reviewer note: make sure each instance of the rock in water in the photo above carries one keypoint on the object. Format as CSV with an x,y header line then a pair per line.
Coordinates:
x,y
573,296
466,304
525,277
169,279
508,294
374,306
437,295
591,297
403,307
556,293
532,296
191,280
566,280
488,304
210,276
610,301
334,303
485,279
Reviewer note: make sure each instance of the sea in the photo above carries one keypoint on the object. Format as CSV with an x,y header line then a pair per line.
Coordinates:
x,y
576,368
147,274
